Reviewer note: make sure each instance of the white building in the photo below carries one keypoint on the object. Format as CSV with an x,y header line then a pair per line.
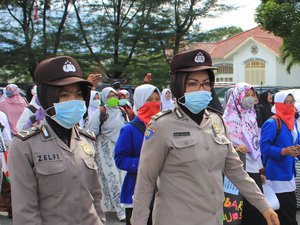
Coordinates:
x,y
253,56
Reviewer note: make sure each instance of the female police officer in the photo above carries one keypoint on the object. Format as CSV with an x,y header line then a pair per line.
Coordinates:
x,y
53,173
185,152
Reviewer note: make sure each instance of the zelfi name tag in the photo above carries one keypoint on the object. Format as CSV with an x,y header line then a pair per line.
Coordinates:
x,y
180,134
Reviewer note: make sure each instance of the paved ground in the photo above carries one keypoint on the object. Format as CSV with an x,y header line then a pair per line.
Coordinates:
x,y
111,219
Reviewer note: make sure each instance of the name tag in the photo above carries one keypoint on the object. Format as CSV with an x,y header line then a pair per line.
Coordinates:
x,y
48,157
180,134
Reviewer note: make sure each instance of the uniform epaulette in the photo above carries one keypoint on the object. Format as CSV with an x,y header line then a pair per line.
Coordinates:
x,y
87,133
215,111
25,134
161,114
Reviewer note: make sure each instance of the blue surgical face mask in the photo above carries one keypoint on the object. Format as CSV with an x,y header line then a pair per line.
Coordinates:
x,y
122,102
68,113
196,101
9,93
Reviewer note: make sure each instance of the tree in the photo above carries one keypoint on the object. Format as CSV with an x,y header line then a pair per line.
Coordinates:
x,y
215,35
282,17
32,40
182,14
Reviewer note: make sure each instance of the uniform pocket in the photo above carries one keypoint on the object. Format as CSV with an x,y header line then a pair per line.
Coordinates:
x,y
185,149
49,168
90,163
221,139
51,176
219,150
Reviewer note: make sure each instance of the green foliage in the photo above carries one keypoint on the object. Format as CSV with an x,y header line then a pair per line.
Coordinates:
x,y
282,17
123,39
215,35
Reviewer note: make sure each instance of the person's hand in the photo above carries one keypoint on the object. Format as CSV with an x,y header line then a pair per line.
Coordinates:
x,y
241,148
94,77
147,78
292,151
263,178
271,217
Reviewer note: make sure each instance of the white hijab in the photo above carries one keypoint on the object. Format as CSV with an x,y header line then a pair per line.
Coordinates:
x,y
141,95
166,104
112,126
91,109
280,97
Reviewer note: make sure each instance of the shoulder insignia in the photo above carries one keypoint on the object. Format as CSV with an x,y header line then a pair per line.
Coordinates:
x,y
215,111
26,134
161,114
87,133
178,113
149,132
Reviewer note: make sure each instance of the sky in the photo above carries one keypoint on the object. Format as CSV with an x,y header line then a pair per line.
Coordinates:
x,y
242,17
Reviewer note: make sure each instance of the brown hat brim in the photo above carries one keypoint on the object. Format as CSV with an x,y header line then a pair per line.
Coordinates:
x,y
68,80
197,68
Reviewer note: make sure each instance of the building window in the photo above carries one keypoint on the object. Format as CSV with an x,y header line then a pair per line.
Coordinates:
x,y
255,72
225,68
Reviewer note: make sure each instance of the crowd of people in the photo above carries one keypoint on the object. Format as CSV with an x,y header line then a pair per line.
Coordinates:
x,y
77,153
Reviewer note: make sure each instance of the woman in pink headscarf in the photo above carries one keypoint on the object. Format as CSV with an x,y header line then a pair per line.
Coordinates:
x,y
13,106
240,121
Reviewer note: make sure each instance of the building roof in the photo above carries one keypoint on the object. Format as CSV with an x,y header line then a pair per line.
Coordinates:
x,y
221,49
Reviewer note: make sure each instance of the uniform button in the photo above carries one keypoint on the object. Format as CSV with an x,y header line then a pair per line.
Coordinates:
x,y
214,213
213,192
133,165
209,171
206,148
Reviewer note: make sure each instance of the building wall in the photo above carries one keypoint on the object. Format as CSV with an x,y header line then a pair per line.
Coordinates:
x,y
275,71
286,79
244,55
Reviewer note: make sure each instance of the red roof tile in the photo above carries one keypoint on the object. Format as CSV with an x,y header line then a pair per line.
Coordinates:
x,y
223,48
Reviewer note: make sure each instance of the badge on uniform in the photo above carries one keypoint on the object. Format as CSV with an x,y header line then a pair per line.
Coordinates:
x,y
149,132
216,128
87,149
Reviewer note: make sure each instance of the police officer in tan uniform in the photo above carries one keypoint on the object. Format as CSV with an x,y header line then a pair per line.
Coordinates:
x,y
53,173
185,152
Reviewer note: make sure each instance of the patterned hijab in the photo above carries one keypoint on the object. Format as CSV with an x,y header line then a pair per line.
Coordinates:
x,y
241,123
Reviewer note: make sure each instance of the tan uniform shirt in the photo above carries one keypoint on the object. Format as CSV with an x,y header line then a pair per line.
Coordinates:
x,y
187,160
53,184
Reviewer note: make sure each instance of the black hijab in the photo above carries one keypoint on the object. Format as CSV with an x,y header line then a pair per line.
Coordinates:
x,y
178,81
266,106
48,95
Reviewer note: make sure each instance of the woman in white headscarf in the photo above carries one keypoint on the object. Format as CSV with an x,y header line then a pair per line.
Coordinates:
x,y
279,148
166,100
106,123
127,152
95,102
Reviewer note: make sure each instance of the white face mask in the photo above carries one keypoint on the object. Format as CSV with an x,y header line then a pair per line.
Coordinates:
x,y
95,103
